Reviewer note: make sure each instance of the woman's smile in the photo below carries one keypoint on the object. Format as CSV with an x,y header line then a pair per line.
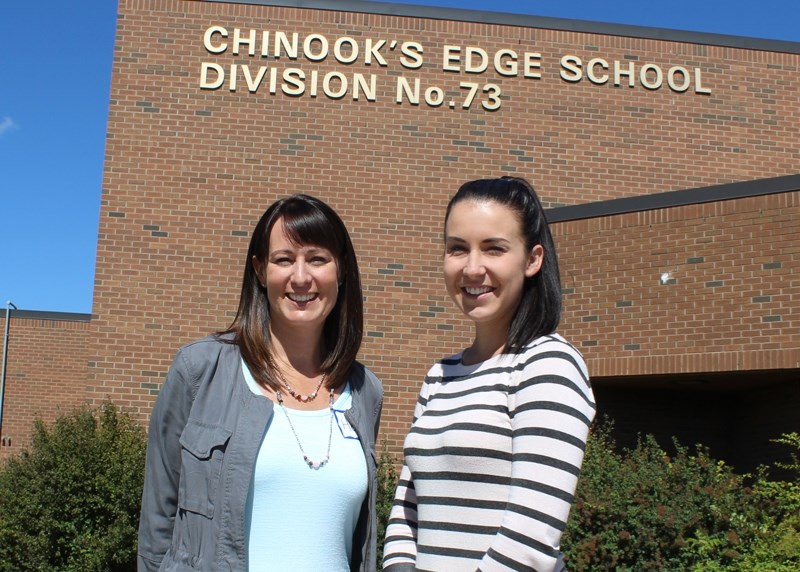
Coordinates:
x,y
301,298
473,291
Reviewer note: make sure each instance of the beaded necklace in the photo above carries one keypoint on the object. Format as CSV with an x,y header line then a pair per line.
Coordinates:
x,y
299,396
310,462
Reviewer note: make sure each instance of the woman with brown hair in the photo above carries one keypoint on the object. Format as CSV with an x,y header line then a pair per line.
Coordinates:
x,y
261,448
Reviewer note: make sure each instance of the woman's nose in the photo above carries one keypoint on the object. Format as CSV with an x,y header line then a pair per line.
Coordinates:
x,y
474,266
301,274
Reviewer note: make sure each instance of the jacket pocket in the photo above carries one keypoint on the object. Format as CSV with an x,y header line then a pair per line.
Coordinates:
x,y
202,450
179,561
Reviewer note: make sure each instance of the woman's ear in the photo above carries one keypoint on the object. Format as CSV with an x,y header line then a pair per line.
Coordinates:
x,y
258,266
535,260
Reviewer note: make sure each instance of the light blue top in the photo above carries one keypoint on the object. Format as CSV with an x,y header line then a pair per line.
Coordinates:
x,y
299,518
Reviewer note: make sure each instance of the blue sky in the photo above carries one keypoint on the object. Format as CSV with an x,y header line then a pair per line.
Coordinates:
x,y
56,71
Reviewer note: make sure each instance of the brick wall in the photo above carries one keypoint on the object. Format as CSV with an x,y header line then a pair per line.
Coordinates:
x,y
45,373
188,172
729,303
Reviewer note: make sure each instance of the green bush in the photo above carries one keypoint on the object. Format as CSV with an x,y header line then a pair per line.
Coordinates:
x,y
71,502
641,509
776,545
387,483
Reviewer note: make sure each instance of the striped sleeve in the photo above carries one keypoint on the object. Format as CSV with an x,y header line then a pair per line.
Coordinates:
x,y
551,408
400,544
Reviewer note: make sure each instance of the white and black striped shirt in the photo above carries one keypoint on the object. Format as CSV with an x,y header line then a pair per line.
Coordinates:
x,y
492,462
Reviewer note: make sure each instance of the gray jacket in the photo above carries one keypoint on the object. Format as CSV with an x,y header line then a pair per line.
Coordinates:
x,y
205,431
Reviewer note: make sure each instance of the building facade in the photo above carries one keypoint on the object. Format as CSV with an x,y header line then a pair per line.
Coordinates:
x,y
667,160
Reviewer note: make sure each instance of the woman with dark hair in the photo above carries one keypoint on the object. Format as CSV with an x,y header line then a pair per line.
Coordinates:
x,y
261,448
496,445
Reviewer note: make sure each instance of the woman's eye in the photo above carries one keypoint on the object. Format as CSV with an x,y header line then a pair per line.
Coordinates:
x,y
282,261
319,260
455,249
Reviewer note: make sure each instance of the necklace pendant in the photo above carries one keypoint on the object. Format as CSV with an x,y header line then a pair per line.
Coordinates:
x,y
310,462
313,464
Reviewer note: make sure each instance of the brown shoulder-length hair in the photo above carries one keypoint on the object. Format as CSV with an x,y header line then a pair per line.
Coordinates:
x,y
307,221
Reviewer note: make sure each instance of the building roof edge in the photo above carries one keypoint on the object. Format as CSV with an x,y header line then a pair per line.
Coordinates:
x,y
670,199
46,315
523,20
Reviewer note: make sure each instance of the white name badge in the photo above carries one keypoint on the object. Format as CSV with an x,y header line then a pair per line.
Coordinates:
x,y
344,425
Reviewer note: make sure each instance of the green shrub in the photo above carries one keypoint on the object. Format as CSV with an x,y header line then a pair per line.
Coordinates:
x,y
387,483
642,509
71,502
776,547
783,497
